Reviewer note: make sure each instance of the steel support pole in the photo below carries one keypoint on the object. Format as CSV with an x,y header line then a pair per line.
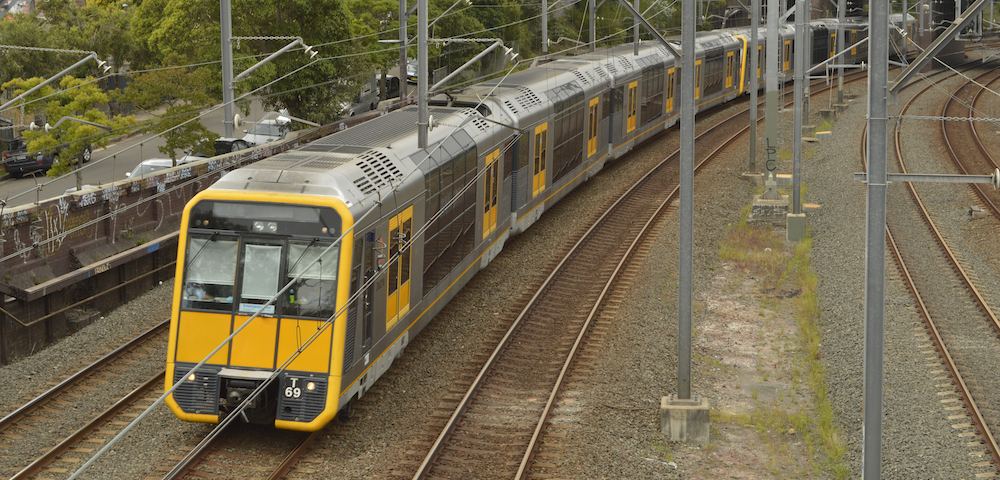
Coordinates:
x,y
635,28
878,128
754,81
545,26
807,46
422,58
403,40
593,24
800,62
686,241
841,31
771,103
226,22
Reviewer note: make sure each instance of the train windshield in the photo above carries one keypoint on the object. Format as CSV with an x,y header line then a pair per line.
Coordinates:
x,y
254,251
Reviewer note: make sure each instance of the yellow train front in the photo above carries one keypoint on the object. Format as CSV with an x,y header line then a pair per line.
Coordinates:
x,y
240,249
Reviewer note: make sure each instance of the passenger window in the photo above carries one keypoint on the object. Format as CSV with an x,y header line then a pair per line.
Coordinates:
x,y
210,272
315,293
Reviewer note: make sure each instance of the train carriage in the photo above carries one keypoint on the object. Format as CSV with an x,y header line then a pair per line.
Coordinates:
x,y
345,248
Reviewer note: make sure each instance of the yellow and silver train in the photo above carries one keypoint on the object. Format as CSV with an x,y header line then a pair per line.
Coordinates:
x,y
379,234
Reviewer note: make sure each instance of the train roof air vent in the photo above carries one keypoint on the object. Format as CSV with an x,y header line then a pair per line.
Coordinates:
x,y
527,98
379,171
626,65
612,68
581,77
602,73
477,120
512,107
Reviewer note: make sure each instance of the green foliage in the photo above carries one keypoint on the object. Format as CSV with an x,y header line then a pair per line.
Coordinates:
x,y
183,92
63,25
77,98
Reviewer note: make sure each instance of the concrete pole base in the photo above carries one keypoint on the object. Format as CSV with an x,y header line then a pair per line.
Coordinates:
x,y
795,227
686,420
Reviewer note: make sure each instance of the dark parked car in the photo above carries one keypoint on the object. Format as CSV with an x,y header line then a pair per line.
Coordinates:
x,y
18,162
223,146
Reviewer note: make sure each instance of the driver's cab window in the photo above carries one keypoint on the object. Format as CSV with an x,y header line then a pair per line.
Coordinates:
x,y
211,271
314,294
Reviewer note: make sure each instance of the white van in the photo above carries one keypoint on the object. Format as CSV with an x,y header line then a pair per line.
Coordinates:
x,y
366,100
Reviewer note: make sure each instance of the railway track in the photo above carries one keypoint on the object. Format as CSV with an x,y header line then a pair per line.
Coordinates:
x,y
75,436
962,328
239,444
494,429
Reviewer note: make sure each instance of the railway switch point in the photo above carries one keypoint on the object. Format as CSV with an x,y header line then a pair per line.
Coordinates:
x,y
685,420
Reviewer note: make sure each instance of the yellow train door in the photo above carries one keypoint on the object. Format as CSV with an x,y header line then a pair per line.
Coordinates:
x,y
760,60
729,69
787,60
670,90
697,79
633,89
592,128
854,39
541,144
833,44
398,284
490,196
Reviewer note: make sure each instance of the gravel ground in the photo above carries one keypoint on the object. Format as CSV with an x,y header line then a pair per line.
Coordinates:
x,y
741,337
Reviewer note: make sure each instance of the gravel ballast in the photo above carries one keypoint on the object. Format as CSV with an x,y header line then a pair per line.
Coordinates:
x,y
616,432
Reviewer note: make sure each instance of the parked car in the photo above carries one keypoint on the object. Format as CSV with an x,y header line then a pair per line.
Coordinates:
x,y
18,162
267,131
223,145
152,165
411,71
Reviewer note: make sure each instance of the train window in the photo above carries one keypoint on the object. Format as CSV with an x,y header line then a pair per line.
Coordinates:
x,y
729,69
592,127
606,111
447,180
787,61
760,60
541,145
210,272
315,293
670,90
617,99
261,265
630,112
652,94
697,79
490,189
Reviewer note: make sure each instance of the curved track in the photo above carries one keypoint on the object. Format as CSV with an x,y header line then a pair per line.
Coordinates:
x,y
74,391
933,272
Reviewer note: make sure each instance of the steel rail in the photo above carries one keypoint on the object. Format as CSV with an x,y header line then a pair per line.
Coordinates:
x,y
980,191
40,400
293,457
970,403
449,427
41,462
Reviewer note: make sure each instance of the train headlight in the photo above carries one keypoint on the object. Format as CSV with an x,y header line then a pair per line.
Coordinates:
x,y
191,377
269,227
311,386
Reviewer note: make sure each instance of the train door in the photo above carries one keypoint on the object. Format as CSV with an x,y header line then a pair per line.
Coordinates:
x,y
670,90
257,282
592,127
360,310
786,64
854,40
398,276
491,191
633,98
833,44
697,79
760,60
730,61
541,146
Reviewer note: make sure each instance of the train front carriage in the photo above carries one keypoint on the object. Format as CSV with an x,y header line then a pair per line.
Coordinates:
x,y
241,249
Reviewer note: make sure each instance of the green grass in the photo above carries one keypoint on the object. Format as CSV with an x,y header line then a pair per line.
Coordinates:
x,y
762,253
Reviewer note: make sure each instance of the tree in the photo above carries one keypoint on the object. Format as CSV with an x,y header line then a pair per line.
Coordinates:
x,y
77,98
183,91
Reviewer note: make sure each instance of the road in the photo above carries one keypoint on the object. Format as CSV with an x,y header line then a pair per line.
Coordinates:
x,y
108,164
